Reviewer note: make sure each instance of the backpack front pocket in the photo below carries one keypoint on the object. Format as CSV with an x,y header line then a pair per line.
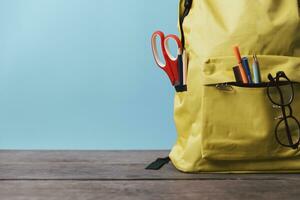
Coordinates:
x,y
238,123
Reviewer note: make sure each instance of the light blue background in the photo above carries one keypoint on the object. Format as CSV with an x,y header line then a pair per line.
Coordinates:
x,y
79,74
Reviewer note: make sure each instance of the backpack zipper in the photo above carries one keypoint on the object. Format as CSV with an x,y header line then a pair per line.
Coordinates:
x,y
228,85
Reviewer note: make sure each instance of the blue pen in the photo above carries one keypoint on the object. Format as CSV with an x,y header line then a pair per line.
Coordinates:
x,y
256,70
247,69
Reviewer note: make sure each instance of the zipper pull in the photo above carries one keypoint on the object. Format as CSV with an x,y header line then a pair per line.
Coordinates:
x,y
224,87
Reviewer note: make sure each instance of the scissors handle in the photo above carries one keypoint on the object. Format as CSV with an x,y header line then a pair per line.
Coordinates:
x,y
175,63
161,36
167,49
170,66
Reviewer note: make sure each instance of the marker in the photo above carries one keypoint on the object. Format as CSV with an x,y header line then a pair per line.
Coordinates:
x,y
237,54
256,70
247,69
237,74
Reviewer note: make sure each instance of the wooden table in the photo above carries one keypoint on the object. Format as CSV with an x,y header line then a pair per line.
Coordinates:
x,y
64,175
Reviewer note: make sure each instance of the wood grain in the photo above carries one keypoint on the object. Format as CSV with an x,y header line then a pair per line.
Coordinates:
x,y
113,175
103,157
142,190
103,165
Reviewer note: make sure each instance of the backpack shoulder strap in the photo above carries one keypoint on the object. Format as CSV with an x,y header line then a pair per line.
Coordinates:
x,y
160,162
186,11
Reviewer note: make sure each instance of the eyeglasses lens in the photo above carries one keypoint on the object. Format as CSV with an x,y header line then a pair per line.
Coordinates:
x,y
282,134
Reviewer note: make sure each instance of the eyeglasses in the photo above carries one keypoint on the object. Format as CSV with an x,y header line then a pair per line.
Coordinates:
x,y
280,91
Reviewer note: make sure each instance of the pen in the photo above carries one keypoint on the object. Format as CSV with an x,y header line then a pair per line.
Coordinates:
x,y
256,70
237,54
185,61
247,69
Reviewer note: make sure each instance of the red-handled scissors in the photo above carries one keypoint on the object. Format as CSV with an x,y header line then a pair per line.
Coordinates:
x,y
170,66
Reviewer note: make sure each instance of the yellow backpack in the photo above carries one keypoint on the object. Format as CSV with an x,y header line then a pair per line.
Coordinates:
x,y
227,127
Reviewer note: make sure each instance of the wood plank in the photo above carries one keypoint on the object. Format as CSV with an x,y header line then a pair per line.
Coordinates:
x,y
91,156
142,190
103,165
